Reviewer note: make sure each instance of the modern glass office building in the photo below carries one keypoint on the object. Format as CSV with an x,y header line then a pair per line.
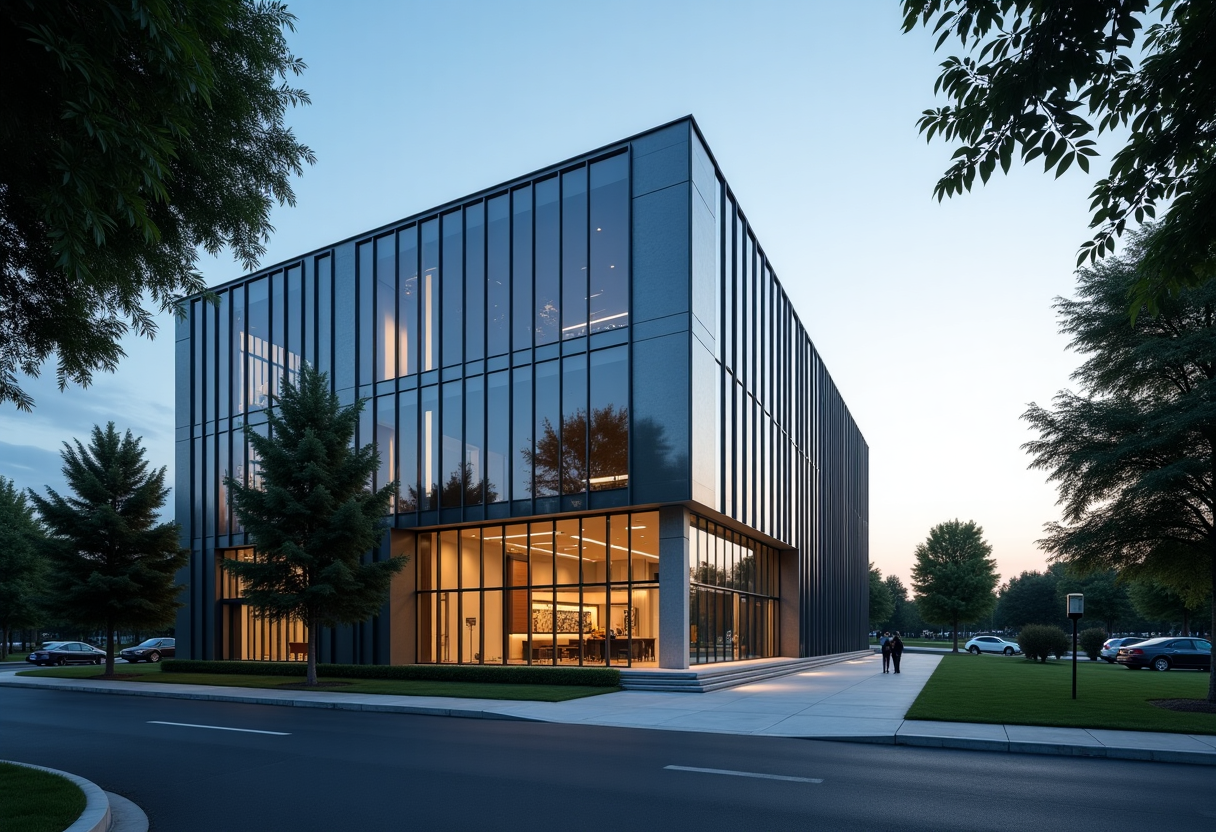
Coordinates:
x,y
615,440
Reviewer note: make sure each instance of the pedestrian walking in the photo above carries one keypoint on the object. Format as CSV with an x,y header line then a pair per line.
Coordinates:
x,y
886,653
897,650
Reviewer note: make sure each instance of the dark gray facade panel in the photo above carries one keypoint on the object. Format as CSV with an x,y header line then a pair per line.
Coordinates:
x,y
660,159
659,457
661,257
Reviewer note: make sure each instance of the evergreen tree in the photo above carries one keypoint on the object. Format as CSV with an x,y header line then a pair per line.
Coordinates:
x,y
21,563
954,576
1134,454
111,563
314,517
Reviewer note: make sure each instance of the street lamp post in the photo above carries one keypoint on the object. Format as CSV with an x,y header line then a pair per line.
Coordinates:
x,y
1076,609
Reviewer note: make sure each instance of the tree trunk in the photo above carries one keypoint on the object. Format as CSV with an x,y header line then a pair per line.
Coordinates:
x,y
311,677
955,623
1212,640
109,648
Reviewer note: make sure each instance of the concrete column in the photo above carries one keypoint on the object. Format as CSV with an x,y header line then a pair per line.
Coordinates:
x,y
789,615
673,587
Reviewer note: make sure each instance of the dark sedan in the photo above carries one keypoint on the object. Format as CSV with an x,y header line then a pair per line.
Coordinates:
x,y
152,650
1167,653
66,652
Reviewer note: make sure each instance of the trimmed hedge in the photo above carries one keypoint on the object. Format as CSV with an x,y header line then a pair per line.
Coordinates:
x,y
492,674
1091,641
1038,641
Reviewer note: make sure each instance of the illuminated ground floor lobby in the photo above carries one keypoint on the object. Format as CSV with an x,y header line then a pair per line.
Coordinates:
x,y
663,588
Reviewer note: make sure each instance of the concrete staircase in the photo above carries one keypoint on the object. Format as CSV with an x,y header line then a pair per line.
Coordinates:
x,y
704,678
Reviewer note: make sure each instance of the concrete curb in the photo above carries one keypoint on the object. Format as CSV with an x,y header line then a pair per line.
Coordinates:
x,y
96,815
418,710
127,817
1158,755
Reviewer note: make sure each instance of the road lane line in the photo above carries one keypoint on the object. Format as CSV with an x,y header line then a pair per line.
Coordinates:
x,y
219,728
745,774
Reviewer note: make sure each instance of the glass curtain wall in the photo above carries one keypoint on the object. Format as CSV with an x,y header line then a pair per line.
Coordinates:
x,y
248,635
733,595
569,591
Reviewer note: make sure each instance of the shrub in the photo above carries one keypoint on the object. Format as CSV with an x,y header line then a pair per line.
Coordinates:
x,y
1038,641
576,676
1091,642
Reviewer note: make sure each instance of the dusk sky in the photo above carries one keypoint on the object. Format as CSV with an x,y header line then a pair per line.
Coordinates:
x,y
935,320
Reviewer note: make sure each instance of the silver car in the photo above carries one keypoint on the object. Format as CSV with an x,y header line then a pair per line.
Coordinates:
x,y
1110,647
992,644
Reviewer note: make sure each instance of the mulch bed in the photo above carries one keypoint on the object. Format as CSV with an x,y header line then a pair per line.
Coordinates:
x,y
303,686
1190,706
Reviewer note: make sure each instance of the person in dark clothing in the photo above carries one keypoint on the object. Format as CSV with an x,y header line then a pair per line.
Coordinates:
x,y
897,650
886,653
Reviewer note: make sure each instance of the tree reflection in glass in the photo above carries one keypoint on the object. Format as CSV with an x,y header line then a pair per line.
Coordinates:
x,y
563,462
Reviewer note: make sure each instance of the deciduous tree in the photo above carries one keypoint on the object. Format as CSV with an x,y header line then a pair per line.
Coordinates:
x,y
882,603
314,517
1042,78
1031,598
135,134
112,564
955,575
1134,453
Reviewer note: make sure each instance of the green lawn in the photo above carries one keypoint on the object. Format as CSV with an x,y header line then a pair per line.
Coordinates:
x,y
34,801
1000,690
395,687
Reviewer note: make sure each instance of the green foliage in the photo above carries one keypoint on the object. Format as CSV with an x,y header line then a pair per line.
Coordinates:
x,y
1106,598
1159,604
1039,78
1031,598
111,563
954,576
1038,641
1134,455
494,674
882,602
1091,639
22,565
135,135
313,518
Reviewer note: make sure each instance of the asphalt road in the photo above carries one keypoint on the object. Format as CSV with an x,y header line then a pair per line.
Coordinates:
x,y
342,770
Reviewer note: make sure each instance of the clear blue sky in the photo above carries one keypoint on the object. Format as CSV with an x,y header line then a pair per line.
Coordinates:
x,y
935,320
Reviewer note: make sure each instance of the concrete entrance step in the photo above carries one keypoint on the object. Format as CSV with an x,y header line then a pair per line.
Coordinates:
x,y
707,677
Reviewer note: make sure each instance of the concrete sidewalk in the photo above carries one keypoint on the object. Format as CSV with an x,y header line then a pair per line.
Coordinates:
x,y
849,701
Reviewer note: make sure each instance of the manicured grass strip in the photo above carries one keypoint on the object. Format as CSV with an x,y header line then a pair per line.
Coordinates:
x,y
496,674
996,689
392,687
35,801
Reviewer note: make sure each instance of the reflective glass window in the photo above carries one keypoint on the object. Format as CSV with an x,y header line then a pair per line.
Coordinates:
x,y
618,548
548,261
546,459
224,469
407,469
295,322
430,296
386,442
574,253
452,466
278,332
429,434
644,545
453,288
608,466
474,441
492,555
325,315
474,282
346,316
498,436
609,276
365,257
498,276
573,468
258,343
521,440
224,343
407,301
521,267
209,486
565,551
470,562
386,308
595,550
237,296
541,552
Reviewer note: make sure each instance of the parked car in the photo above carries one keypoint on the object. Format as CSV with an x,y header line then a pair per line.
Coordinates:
x,y
992,644
1110,647
1167,653
152,650
66,652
